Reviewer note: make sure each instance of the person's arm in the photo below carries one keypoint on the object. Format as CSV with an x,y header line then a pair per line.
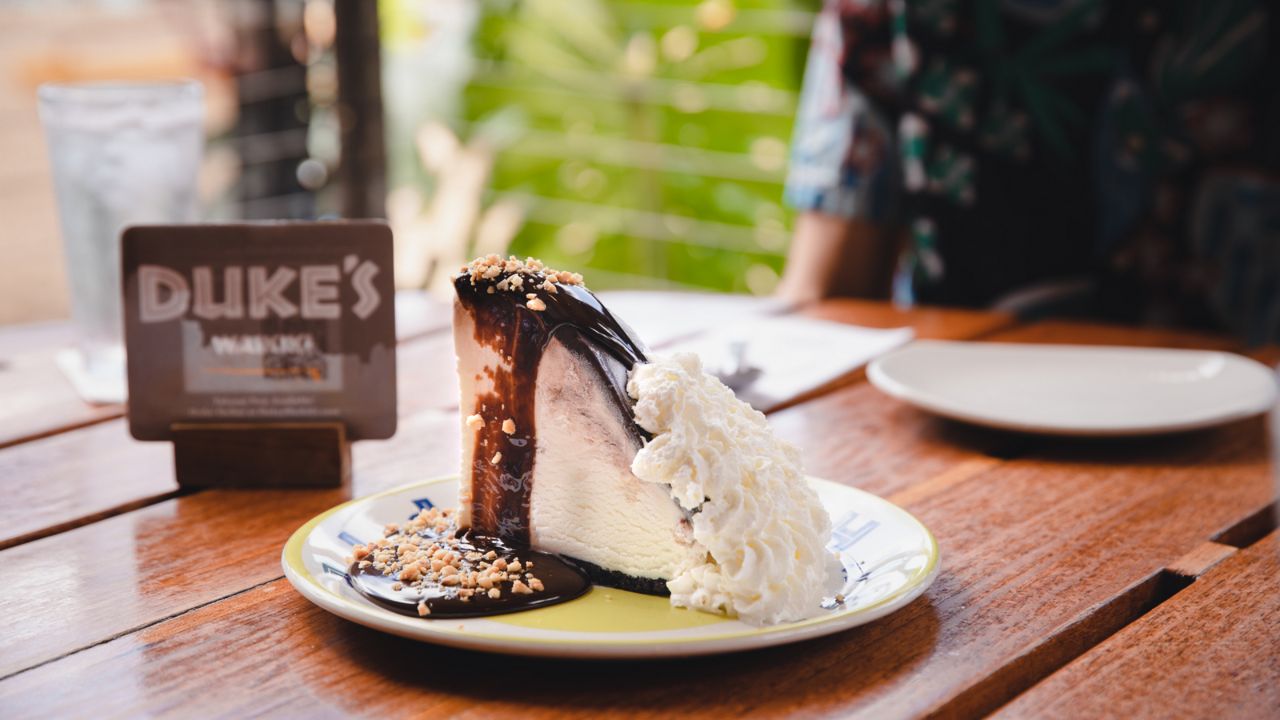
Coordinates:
x,y
833,255
839,246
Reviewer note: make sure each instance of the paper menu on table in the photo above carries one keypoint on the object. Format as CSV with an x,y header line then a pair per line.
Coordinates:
x,y
793,355
661,318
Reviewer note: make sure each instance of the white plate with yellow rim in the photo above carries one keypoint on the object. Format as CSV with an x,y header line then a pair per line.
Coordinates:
x,y
890,559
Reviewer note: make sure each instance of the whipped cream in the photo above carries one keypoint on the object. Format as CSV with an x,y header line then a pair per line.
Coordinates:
x,y
764,529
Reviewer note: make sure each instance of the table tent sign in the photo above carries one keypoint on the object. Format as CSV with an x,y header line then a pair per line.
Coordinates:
x,y
261,350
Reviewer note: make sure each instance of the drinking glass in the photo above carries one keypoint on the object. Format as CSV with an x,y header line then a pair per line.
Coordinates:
x,y
122,154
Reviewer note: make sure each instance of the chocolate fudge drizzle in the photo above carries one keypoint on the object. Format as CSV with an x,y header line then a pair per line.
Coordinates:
x,y
506,324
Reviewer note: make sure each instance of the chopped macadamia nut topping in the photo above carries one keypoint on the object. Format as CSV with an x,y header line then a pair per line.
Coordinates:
x,y
536,305
509,426
511,274
475,422
426,557
497,458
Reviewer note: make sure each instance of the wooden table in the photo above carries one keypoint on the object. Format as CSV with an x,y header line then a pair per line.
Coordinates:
x,y
1130,578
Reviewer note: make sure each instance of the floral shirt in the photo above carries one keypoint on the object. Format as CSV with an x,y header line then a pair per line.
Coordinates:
x,y
1022,141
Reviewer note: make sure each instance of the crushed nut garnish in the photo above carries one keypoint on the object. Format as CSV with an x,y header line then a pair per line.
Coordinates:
x,y
475,421
512,274
425,554
497,458
536,305
509,426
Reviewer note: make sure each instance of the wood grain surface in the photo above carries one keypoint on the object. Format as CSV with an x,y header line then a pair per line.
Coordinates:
x,y
57,482
37,399
928,322
1036,569
1210,651
861,437
1098,333
135,569
1054,550
426,445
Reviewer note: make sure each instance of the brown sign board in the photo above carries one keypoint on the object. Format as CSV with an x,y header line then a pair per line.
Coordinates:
x,y
260,323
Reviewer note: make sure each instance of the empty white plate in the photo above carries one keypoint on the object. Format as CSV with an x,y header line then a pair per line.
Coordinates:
x,y
1076,389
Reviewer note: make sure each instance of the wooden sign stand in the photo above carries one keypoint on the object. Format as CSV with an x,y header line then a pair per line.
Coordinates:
x,y
261,455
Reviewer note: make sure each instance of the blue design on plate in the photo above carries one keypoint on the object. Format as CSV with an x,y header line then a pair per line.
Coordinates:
x,y
421,504
348,538
844,536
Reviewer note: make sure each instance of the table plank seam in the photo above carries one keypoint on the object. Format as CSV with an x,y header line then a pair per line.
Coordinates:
x,y
91,518
1169,583
1056,650
138,628
1251,529
1225,660
52,431
1136,603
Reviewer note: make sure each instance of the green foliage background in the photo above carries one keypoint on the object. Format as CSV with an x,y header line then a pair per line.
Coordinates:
x,y
653,136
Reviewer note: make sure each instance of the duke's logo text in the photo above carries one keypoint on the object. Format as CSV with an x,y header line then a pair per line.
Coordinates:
x,y
256,291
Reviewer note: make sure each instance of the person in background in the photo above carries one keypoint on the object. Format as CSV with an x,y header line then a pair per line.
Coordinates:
x,y
1118,160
